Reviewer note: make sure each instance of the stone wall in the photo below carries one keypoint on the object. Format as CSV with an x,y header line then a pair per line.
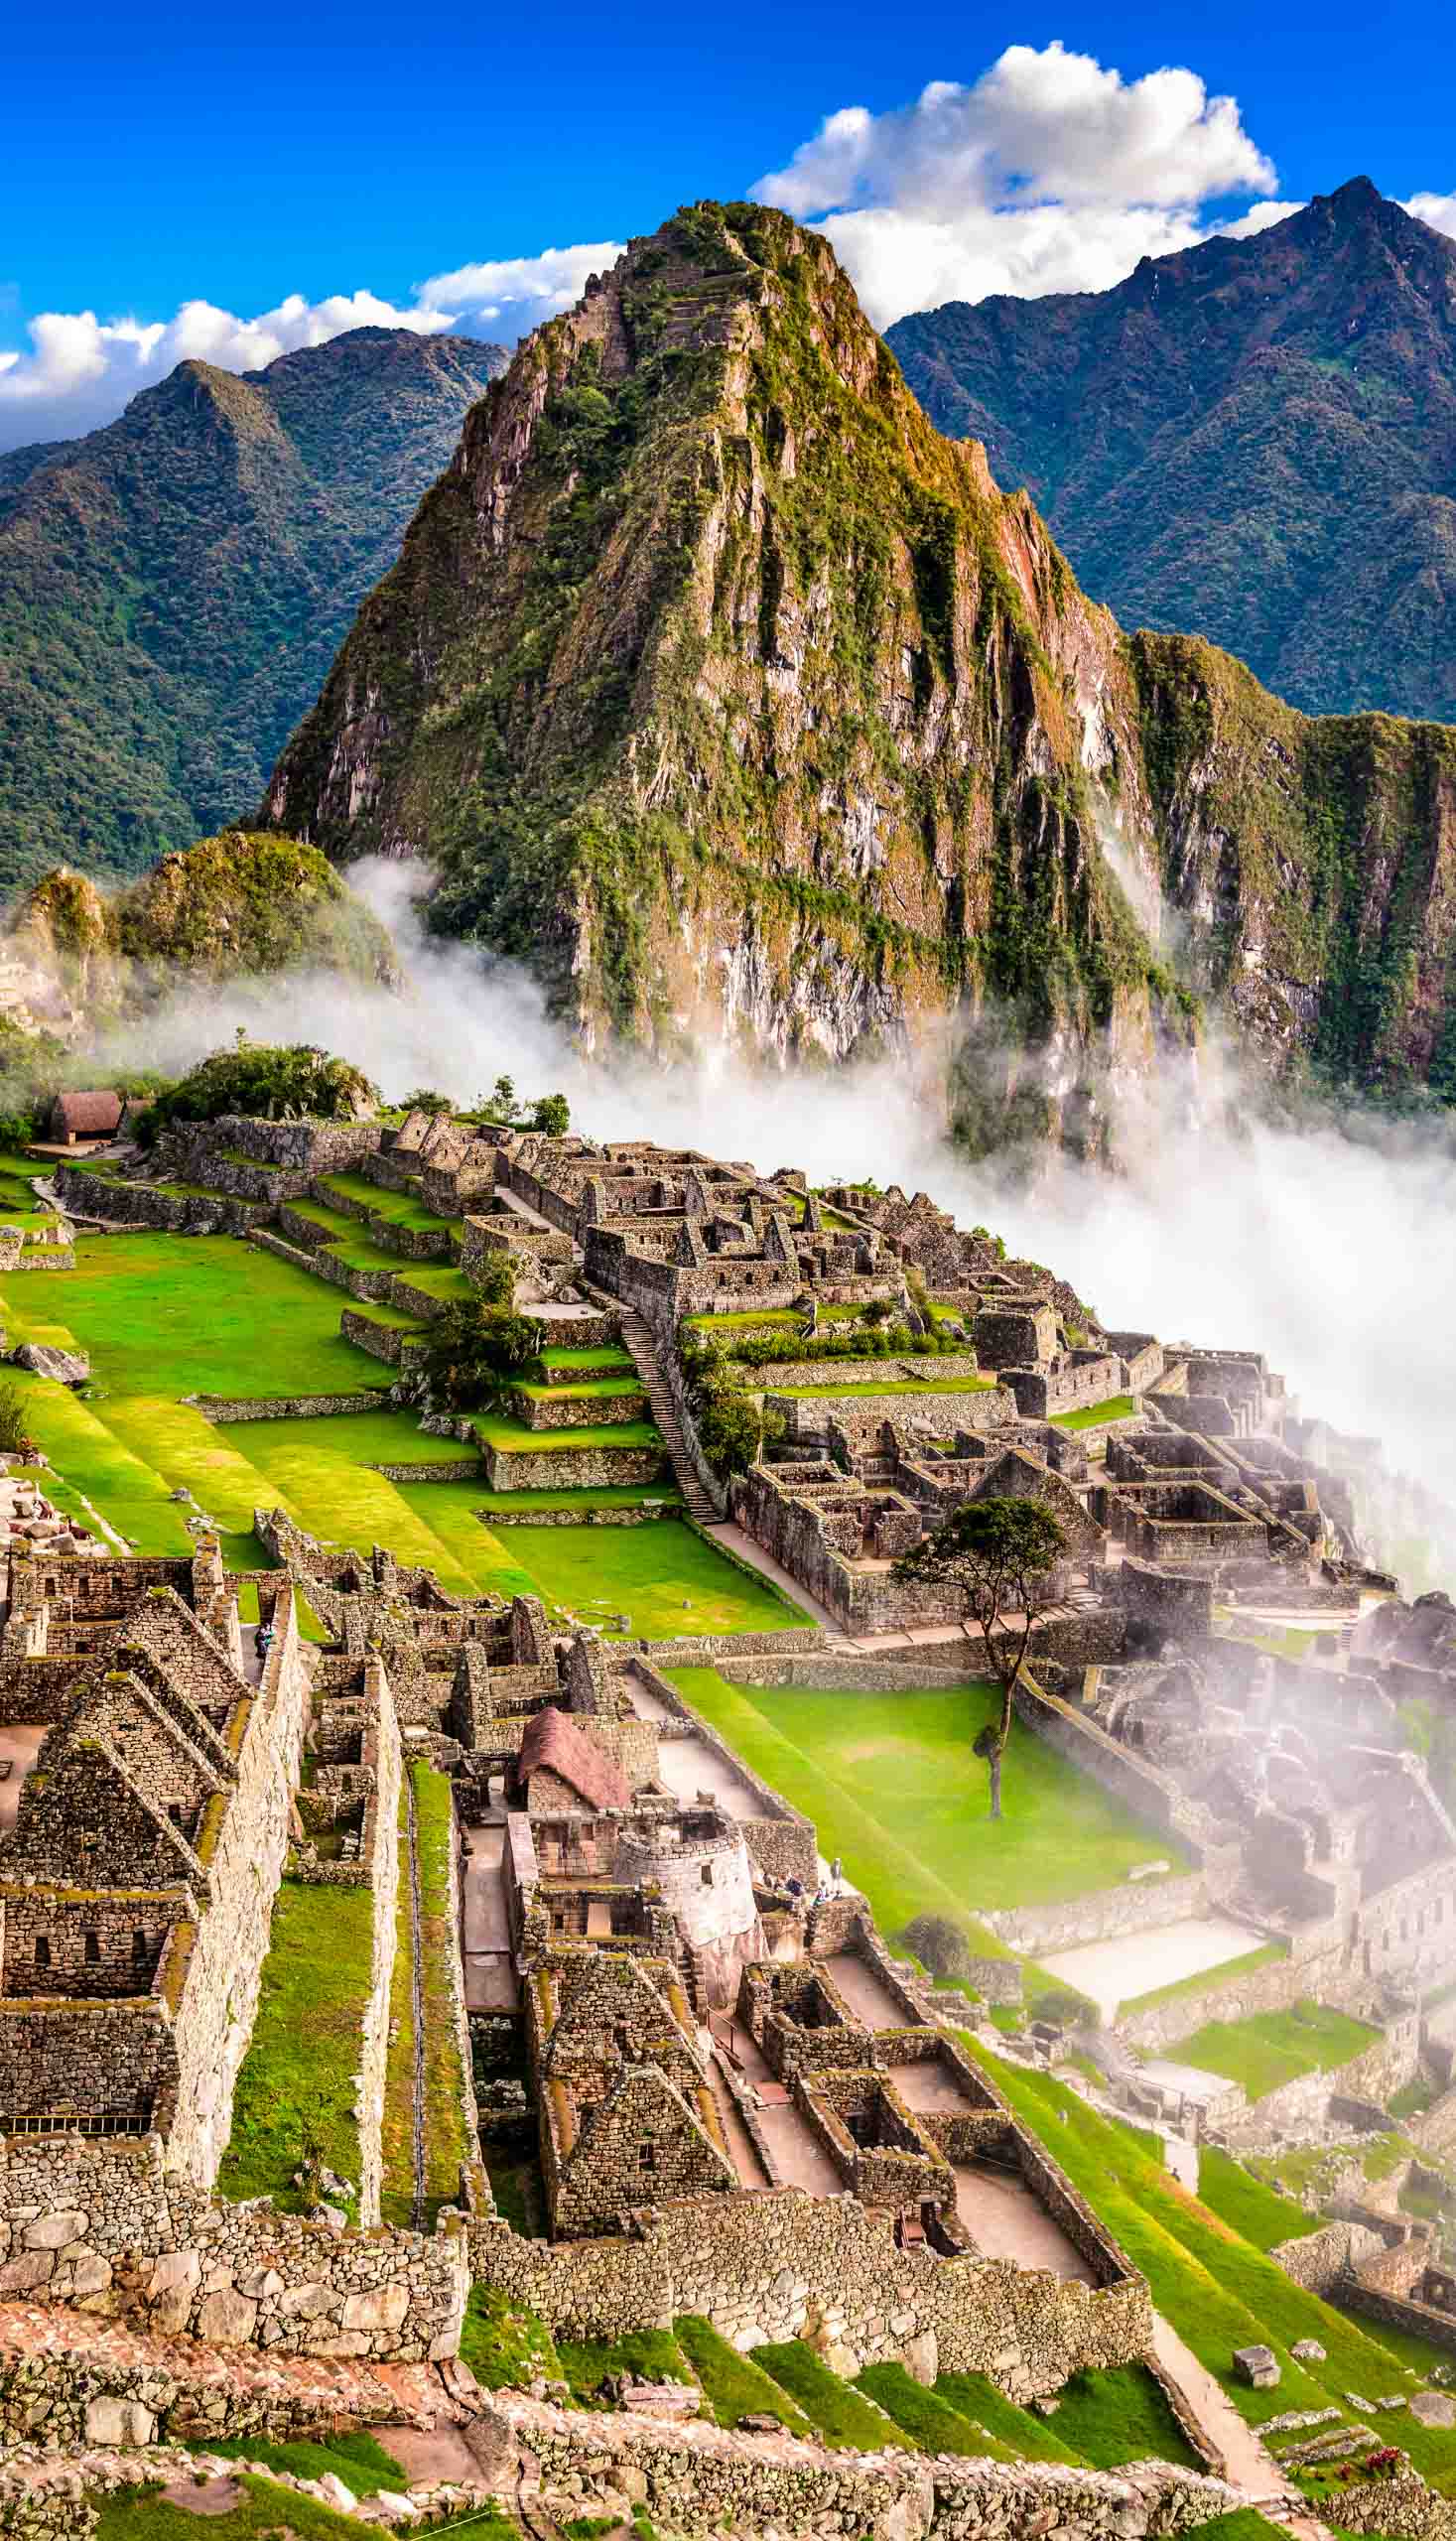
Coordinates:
x,y
1103,1913
218,1996
557,1410
1379,2069
1128,1778
222,1408
783,2263
101,2225
701,2480
1270,1988
573,1468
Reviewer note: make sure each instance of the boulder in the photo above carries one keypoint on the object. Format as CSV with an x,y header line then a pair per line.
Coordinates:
x,y
1307,2351
1258,2366
1433,2408
63,1367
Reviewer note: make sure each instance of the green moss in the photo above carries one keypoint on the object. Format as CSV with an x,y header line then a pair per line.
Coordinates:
x,y
845,2417
735,2386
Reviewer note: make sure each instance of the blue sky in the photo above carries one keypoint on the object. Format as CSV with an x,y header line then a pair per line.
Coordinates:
x,y
162,155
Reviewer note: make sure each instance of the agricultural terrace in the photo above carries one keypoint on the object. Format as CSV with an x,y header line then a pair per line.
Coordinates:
x,y
161,1317
896,1791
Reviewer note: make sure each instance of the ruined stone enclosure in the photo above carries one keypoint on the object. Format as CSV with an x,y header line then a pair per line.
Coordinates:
x,y
593,2022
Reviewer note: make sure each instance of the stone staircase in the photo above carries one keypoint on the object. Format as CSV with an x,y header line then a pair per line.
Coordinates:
x,y
641,1349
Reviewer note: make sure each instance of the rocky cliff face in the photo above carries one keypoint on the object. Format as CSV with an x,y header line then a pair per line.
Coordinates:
x,y
718,685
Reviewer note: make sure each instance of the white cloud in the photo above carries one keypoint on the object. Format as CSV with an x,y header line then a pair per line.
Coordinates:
x,y
1438,211
516,292
80,370
1050,173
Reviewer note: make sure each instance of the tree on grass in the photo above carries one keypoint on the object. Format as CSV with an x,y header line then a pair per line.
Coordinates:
x,y
475,1353
997,1555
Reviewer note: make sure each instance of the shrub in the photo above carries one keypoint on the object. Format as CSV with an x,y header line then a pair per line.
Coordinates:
x,y
14,1431
476,1352
296,1082
939,1944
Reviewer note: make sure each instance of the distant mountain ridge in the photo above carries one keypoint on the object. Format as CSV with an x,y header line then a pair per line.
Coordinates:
x,y
173,588
1253,441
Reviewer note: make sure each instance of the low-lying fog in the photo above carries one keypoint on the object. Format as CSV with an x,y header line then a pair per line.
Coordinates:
x,y
1329,1243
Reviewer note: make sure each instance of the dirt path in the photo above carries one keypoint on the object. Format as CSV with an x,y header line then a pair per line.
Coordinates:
x,y
1246,2463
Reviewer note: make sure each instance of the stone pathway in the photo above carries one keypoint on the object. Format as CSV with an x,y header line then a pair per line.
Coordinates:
x,y
1247,2461
726,1531
492,1983
641,1349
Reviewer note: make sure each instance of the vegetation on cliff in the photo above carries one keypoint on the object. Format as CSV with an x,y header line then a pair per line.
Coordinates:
x,y
723,689
717,684
174,586
74,956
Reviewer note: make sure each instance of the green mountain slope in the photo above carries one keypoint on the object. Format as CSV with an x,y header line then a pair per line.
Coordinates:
x,y
1255,440
174,586
723,689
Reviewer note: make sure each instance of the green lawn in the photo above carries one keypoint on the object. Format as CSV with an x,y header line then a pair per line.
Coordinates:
x,y
1216,2288
1118,1407
266,2513
590,1390
382,1437
208,1314
664,1577
600,1360
446,2142
894,1786
498,1429
1248,2205
356,2458
846,2418
928,2418
734,2385
1270,2048
396,1208
296,2087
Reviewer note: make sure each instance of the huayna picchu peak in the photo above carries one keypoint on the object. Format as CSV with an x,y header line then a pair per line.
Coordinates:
x,y
716,684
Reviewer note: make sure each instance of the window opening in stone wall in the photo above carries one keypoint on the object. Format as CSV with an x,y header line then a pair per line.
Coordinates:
x,y
92,1948
43,1950
139,1949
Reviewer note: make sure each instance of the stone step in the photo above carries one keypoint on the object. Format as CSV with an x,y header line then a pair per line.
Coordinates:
x,y
641,1349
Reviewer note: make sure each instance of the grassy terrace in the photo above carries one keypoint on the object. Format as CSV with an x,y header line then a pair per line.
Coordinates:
x,y
498,1429
1217,2287
296,2087
666,1578
1118,1407
395,1208
924,1842
929,1382
601,1362
1270,2048
446,2143
591,1389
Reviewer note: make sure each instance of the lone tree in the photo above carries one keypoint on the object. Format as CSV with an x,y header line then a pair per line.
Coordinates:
x,y
474,1353
998,1556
